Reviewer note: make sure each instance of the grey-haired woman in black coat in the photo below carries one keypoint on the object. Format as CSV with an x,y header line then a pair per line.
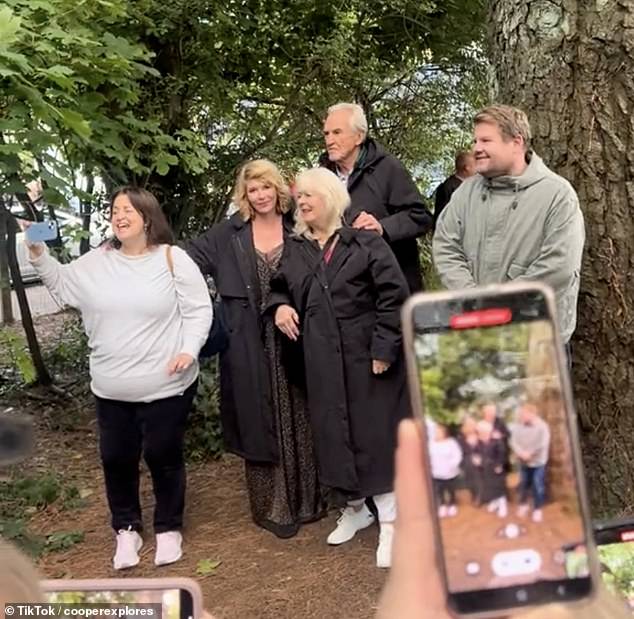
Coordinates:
x,y
338,292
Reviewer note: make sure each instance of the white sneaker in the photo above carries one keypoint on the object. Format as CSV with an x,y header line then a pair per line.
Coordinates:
x,y
522,510
350,521
168,547
537,515
492,506
384,549
503,509
442,511
127,553
452,511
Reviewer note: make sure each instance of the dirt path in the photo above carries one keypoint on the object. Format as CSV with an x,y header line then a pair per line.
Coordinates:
x,y
260,575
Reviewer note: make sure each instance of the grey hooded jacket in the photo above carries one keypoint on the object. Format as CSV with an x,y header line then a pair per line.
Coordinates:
x,y
527,227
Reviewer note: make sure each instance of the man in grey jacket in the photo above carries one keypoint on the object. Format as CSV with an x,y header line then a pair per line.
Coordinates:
x,y
530,442
514,220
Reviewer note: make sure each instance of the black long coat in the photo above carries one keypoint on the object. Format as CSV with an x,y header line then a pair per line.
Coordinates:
x,y
381,186
349,315
226,252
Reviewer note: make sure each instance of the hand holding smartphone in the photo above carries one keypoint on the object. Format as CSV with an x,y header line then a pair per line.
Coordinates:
x,y
488,374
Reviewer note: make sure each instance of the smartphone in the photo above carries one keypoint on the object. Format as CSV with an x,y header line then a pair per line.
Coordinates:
x,y
615,541
488,374
42,231
181,597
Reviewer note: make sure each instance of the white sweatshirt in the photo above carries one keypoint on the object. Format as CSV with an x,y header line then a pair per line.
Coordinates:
x,y
137,315
445,457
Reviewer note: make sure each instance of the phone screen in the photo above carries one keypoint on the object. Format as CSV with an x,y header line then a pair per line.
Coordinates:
x,y
177,603
500,451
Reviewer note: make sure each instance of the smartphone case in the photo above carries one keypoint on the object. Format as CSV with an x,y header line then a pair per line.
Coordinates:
x,y
42,231
418,408
130,584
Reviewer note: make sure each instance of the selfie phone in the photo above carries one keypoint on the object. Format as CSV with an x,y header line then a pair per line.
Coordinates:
x,y
488,375
615,541
181,597
41,231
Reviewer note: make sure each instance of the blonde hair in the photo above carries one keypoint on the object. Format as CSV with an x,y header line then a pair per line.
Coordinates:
x,y
19,581
358,121
511,121
266,172
329,187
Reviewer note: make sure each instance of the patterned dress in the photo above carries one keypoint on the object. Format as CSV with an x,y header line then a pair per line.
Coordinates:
x,y
284,495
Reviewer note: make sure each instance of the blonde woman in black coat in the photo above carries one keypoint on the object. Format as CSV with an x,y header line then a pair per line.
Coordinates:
x,y
339,291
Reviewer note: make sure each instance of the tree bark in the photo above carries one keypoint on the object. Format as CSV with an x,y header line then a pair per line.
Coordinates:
x,y
85,207
570,65
5,282
43,376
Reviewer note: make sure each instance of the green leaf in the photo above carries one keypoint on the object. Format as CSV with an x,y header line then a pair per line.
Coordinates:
x,y
204,567
76,122
9,26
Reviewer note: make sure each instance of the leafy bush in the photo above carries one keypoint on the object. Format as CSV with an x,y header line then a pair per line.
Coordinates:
x,y
21,498
69,352
204,435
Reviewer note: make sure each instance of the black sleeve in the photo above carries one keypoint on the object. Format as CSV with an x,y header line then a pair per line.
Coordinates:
x,y
409,218
203,250
391,290
441,199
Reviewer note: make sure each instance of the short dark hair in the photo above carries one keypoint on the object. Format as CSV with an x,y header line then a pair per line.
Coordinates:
x,y
462,158
157,229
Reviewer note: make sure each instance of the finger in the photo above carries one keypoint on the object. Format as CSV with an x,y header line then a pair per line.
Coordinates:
x,y
295,317
414,576
171,367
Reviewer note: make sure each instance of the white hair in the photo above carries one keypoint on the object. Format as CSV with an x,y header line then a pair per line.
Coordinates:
x,y
330,188
358,121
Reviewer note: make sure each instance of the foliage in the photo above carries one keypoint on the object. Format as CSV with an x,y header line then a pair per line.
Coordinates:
x,y
68,84
69,352
23,497
204,435
450,363
619,560
14,349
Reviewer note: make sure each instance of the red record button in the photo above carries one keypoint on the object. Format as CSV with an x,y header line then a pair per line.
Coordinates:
x,y
481,318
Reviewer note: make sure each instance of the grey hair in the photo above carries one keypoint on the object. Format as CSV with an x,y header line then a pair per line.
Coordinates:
x,y
328,186
358,121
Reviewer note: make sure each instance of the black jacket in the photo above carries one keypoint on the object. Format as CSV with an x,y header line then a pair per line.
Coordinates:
x,y
381,186
226,252
443,194
349,315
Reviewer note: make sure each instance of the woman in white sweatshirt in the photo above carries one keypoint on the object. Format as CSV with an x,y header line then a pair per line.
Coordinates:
x,y
147,312
445,456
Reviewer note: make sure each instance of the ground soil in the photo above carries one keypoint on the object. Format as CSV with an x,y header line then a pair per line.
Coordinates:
x,y
259,576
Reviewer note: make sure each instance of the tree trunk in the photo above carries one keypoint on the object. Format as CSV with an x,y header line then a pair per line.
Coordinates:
x,y
43,376
85,207
570,65
5,282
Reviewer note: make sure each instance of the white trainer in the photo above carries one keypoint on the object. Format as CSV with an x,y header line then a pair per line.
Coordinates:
x,y
443,511
384,549
127,553
350,521
452,511
503,509
538,516
169,547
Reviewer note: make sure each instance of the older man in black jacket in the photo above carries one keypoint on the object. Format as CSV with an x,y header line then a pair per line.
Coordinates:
x,y
384,196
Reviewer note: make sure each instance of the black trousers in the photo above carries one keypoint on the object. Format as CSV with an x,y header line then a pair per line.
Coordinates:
x,y
445,491
156,429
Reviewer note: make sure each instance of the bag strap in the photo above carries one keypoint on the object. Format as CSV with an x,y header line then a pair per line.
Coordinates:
x,y
170,261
